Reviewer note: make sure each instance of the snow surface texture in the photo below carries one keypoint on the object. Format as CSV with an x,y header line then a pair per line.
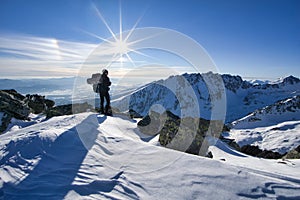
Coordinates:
x,y
275,127
90,156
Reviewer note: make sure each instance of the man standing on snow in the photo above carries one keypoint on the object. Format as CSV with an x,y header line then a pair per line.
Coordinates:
x,y
103,89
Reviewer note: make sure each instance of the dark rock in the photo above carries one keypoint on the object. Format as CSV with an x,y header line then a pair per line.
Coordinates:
x,y
293,154
255,151
38,104
10,103
134,114
15,94
6,118
291,80
231,143
68,109
209,155
152,124
12,106
189,132
232,83
49,103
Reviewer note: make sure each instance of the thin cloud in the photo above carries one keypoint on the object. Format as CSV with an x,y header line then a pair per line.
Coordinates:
x,y
35,56
28,56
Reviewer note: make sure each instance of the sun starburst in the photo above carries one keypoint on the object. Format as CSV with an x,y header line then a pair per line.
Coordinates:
x,y
119,44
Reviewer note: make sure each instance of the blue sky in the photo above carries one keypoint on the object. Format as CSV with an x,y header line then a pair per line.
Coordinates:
x,y
257,38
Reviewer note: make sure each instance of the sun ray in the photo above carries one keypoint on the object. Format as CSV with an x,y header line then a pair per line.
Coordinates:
x,y
134,27
120,22
129,58
104,21
143,54
119,45
96,36
145,38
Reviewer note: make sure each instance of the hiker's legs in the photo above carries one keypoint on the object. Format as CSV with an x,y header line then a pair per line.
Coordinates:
x,y
107,98
101,103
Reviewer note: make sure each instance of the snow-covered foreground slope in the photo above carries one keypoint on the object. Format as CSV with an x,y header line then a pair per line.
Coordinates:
x,y
90,156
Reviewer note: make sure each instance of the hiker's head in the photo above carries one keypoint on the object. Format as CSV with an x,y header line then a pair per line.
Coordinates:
x,y
104,71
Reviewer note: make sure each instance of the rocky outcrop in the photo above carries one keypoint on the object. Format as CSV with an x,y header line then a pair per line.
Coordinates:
x,y
12,103
293,154
15,105
230,142
20,106
257,152
38,103
68,109
187,134
12,106
133,114
5,119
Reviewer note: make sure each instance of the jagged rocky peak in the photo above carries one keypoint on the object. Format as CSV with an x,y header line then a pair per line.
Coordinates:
x,y
233,83
291,80
242,97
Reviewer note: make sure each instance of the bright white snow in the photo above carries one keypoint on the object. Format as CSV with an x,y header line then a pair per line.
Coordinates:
x,y
90,156
281,137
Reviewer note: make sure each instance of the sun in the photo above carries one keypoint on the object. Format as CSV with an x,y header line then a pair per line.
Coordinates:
x,y
121,47
122,59
119,44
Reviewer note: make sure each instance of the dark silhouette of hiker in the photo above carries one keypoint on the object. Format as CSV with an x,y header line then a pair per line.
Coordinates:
x,y
104,84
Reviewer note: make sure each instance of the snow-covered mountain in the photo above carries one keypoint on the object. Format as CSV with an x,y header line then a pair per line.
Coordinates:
x,y
275,127
281,111
242,97
90,156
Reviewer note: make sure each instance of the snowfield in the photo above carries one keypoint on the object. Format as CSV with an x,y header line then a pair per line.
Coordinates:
x,y
275,127
90,156
281,137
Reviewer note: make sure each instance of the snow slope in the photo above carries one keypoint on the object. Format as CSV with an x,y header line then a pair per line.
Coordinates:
x,y
90,156
275,127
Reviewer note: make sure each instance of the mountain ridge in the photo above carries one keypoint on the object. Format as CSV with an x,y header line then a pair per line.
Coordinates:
x,y
242,97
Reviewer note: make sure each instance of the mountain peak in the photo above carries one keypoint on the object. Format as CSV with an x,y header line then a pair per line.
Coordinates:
x,y
291,80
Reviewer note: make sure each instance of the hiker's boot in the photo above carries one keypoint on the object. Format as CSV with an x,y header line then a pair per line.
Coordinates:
x,y
101,110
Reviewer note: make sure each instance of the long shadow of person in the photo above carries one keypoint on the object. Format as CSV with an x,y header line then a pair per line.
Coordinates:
x,y
59,164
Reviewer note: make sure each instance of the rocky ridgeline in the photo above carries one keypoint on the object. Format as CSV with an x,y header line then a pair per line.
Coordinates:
x,y
242,97
18,106
284,110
